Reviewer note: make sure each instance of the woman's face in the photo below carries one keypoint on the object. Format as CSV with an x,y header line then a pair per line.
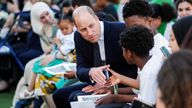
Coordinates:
x,y
173,43
184,9
46,18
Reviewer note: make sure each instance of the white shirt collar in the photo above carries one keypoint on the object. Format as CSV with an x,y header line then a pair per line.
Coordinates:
x,y
101,41
102,30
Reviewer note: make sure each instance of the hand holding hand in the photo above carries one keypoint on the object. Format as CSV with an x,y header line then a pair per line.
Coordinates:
x,y
114,79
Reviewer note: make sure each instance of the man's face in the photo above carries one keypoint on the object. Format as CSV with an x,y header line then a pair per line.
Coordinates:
x,y
136,20
88,26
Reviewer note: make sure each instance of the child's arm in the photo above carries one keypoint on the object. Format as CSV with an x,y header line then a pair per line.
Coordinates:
x,y
115,99
118,78
57,42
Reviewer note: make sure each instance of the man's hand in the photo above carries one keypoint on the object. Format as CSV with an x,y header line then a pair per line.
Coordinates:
x,y
103,90
106,100
97,74
47,59
89,88
92,88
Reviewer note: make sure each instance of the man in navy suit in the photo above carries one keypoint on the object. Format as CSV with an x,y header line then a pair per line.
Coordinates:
x,y
91,31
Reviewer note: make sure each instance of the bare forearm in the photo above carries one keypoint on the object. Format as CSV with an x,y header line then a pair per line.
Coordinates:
x,y
129,81
126,90
59,56
124,98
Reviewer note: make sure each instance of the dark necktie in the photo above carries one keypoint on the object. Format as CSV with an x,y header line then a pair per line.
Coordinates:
x,y
97,59
97,56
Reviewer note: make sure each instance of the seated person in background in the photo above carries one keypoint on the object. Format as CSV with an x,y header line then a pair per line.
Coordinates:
x,y
106,7
179,32
64,42
136,43
139,12
66,8
175,81
184,8
163,18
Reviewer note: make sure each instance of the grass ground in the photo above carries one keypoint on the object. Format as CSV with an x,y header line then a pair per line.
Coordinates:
x,y
6,99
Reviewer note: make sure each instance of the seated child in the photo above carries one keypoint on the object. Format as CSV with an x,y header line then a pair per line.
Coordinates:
x,y
43,82
136,43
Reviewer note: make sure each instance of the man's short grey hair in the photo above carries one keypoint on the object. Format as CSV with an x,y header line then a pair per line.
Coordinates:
x,y
83,9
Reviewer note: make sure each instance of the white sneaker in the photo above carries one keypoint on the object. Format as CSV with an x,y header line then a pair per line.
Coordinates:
x,y
27,94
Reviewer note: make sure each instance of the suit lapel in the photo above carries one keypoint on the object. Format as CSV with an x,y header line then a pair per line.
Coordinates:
x,y
107,34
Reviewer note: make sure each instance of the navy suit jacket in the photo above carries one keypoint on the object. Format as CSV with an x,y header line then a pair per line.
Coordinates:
x,y
113,53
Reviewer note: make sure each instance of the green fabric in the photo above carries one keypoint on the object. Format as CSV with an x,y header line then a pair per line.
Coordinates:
x,y
160,2
65,82
116,7
38,69
54,29
162,28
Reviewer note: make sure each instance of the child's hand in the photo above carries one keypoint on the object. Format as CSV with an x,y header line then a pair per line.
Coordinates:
x,y
57,42
106,100
114,79
47,59
48,51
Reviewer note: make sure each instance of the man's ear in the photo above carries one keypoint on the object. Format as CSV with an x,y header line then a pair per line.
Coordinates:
x,y
148,20
129,53
96,18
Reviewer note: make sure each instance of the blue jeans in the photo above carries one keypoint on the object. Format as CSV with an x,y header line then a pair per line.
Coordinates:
x,y
23,103
62,97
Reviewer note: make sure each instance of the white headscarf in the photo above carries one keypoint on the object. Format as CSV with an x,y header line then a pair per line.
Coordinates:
x,y
36,10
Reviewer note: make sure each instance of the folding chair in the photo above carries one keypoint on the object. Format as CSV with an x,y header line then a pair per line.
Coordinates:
x,y
4,42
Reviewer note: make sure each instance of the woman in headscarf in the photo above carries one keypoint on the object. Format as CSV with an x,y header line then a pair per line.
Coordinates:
x,y
187,42
179,31
44,24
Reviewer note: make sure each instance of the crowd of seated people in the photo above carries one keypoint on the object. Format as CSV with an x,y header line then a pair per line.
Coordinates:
x,y
132,51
